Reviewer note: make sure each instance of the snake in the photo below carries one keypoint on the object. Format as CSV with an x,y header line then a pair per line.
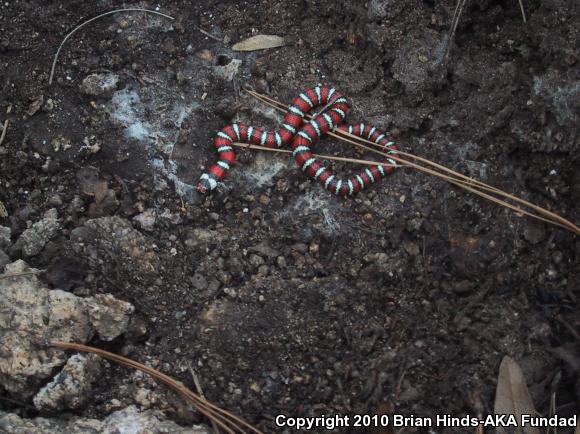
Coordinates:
x,y
301,136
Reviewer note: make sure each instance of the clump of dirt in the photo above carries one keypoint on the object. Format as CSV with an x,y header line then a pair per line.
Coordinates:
x,y
284,298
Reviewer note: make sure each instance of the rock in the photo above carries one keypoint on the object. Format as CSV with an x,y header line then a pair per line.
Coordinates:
x,y
100,85
114,239
256,260
29,316
147,219
300,247
5,234
32,315
463,287
33,240
199,281
71,387
168,46
534,232
109,316
128,420
61,143
411,248
379,9
55,200
265,250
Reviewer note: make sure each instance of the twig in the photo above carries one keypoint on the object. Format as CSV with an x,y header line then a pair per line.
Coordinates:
x,y
456,178
4,130
200,392
456,182
523,10
400,381
227,421
208,34
454,23
90,21
326,157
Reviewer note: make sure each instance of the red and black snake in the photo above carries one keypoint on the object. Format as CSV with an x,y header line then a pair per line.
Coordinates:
x,y
302,137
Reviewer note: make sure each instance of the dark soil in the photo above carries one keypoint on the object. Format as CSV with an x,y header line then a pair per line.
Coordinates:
x,y
283,298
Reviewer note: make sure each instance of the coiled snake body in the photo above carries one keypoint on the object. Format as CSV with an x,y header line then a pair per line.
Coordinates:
x,y
302,136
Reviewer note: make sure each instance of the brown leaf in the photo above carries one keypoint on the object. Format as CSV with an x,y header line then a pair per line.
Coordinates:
x,y
512,395
259,42
100,190
35,105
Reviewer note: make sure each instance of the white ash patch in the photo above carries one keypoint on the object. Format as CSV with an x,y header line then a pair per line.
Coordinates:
x,y
153,116
318,201
262,172
127,109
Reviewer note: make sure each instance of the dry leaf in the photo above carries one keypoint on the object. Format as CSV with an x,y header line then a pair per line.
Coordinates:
x,y
259,42
512,395
100,190
35,105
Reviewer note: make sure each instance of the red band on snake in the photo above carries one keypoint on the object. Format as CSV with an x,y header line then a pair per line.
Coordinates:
x,y
301,138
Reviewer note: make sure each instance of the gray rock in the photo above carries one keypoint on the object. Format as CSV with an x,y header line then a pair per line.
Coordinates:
x,y
379,9
108,315
5,234
129,419
31,315
199,281
33,240
71,387
534,232
265,250
101,84
147,219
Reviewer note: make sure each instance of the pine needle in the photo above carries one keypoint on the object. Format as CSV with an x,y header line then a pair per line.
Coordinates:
x,y
469,184
225,420
523,10
4,131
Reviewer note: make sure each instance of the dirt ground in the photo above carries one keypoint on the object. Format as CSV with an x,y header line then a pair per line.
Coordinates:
x,y
284,298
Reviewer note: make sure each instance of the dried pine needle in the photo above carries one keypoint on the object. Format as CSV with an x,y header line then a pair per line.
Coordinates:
x,y
225,420
4,131
90,21
469,184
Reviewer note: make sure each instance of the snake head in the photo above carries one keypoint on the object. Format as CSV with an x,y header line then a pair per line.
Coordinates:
x,y
202,186
207,183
